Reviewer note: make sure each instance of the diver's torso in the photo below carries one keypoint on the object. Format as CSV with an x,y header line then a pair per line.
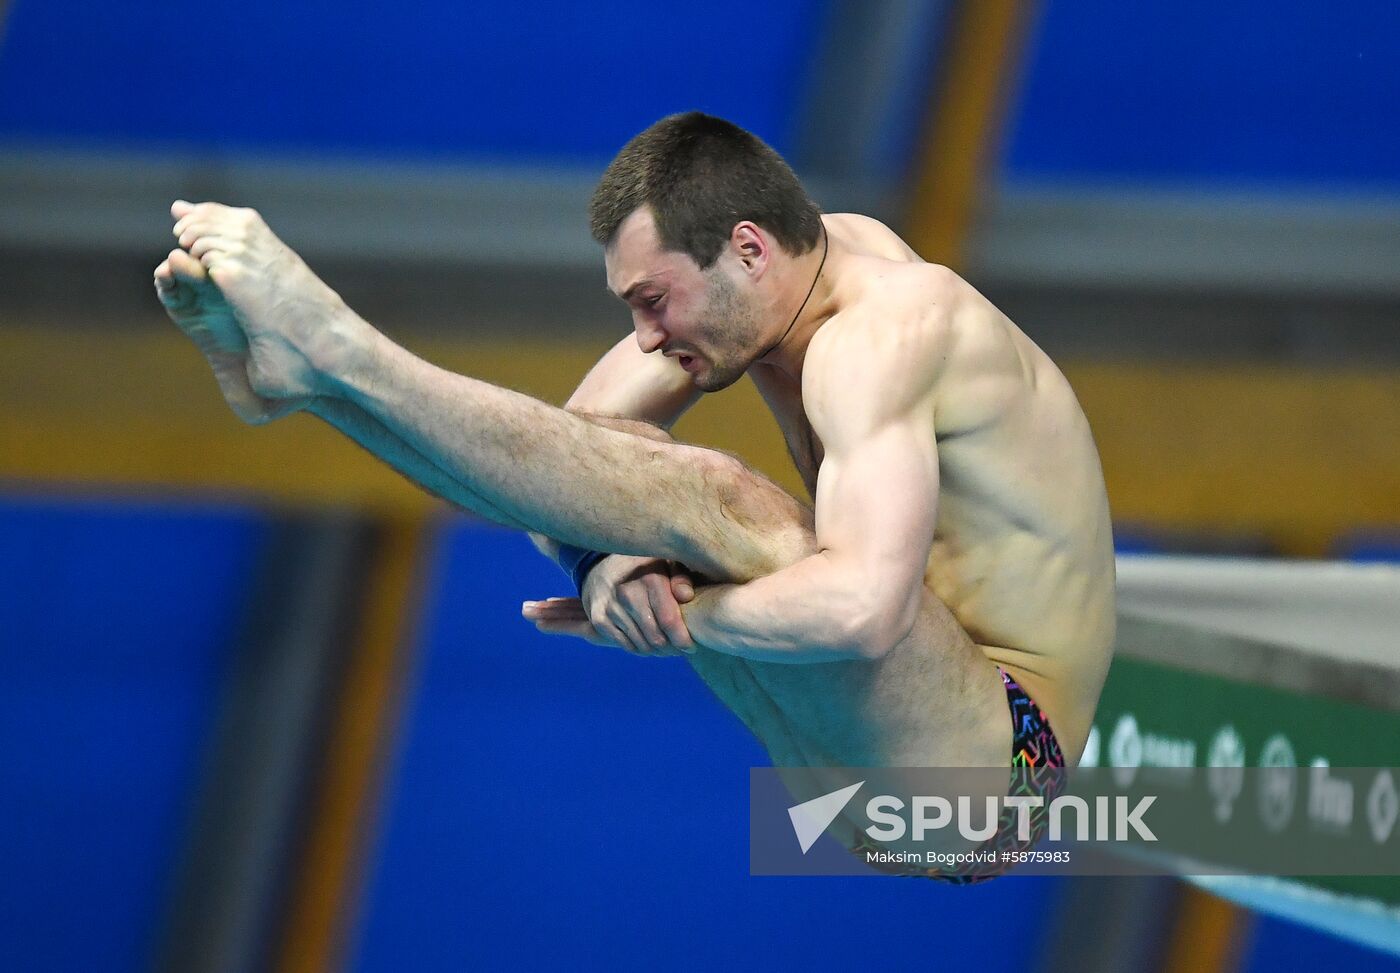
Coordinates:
x,y
1022,555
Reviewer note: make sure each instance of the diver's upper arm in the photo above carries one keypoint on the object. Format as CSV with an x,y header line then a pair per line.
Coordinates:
x,y
633,385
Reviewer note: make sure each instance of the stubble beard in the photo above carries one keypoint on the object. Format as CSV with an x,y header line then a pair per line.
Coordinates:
x,y
732,326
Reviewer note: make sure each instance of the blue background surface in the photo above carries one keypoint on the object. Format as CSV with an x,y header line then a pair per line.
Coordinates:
x,y
1284,93
1252,92
119,623
550,804
120,617
543,82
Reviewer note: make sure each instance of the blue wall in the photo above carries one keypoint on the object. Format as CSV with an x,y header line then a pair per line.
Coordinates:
x,y
1276,945
1253,92
534,82
551,804
118,621
1250,92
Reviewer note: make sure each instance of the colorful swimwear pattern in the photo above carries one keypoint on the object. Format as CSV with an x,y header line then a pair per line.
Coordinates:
x,y
1036,769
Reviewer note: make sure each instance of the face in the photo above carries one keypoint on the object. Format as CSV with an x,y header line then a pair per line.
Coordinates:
x,y
699,317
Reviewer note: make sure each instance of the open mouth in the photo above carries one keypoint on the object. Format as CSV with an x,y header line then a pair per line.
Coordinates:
x,y
685,361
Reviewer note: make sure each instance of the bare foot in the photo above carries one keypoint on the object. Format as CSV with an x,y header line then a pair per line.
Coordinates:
x,y
298,330
199,310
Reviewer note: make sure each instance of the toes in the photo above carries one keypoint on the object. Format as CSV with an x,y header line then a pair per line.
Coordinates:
x,y
212,219
186,213
184,265
191,224
201,236
222,272
205,245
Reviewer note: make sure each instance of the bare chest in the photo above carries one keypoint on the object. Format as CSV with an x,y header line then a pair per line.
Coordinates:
x,y
784,399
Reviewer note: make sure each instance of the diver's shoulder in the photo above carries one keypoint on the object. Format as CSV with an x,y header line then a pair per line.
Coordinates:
x,y
892,318
907,295
868,236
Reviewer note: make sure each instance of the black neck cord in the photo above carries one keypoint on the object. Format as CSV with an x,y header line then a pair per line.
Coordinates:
x,y
826,242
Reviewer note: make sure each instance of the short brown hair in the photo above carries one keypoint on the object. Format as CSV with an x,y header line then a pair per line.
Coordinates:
x,y
701,175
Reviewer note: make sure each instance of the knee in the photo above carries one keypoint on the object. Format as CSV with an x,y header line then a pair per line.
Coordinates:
x,y
781,530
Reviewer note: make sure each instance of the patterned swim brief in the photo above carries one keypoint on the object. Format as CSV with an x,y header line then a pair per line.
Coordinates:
x,y
1036,769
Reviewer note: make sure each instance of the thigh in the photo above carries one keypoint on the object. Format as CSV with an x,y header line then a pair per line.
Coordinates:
x,y
948,693
935,700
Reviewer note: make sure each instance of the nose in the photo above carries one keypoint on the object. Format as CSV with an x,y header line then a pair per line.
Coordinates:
x,y
649,334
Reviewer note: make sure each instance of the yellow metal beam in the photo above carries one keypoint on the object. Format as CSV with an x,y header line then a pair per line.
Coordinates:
x,y
1207,935
136,408
979,61
1296,455
331,875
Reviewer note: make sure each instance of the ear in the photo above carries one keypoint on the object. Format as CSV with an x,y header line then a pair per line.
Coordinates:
x,y
751,246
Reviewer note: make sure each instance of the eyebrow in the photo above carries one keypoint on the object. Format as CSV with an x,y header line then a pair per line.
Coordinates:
x,y
627,294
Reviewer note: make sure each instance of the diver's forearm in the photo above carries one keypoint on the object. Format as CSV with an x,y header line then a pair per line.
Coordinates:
x,y
804,613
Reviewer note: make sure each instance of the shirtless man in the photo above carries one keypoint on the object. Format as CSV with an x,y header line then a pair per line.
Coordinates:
x,y
960,544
